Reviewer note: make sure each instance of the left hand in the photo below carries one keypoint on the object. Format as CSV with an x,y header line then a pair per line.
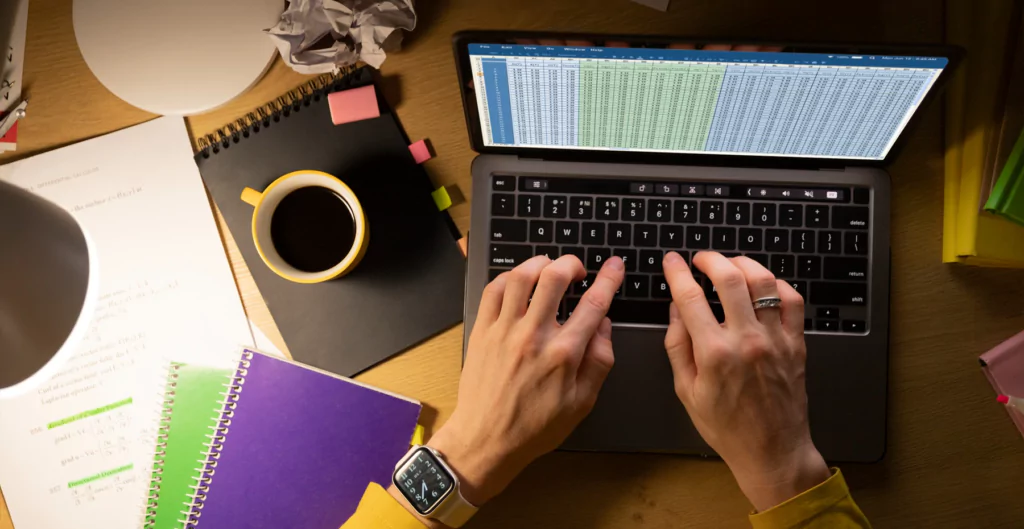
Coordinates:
x,y
527,380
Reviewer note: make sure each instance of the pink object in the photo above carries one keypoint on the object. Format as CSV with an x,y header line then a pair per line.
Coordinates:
x,y
420,151
355,104
1003,399
1004,367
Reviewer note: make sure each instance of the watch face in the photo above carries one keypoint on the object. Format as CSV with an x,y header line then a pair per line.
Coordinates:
x,y
423,481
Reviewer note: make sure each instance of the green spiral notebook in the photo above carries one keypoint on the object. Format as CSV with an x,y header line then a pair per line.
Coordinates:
x,y
193,397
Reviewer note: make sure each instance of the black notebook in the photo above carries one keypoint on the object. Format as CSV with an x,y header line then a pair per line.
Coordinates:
x,y
409,285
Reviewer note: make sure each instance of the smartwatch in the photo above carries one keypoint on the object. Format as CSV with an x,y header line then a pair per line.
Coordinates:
x,y
430,486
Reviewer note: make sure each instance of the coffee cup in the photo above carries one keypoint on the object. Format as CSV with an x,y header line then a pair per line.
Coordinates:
x,y
308,226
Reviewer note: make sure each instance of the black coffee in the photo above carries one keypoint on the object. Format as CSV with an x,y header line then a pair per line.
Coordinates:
x,y
313,228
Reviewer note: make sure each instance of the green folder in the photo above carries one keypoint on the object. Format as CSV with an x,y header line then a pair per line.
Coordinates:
x,y
1007,198
193,397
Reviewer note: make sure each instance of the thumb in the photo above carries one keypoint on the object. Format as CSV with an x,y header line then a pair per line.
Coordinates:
x,y
680,354
598,360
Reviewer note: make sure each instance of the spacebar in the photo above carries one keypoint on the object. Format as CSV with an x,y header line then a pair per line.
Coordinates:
x,y
639,311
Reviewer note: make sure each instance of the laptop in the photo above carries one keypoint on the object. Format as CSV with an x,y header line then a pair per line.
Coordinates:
x,y
633,146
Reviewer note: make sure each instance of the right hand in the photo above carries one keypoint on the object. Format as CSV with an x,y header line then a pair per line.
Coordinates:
x,y
742,382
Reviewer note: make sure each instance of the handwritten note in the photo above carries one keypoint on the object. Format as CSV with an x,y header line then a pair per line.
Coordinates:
x,y
77,451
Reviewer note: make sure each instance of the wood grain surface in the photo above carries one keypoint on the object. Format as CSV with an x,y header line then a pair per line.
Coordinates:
x,y
953,460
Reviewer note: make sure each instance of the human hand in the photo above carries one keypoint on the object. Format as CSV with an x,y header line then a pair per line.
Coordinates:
x,y
527,380
742,382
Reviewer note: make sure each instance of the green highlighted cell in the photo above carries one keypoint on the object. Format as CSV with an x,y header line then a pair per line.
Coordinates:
x,y
89,413
100,475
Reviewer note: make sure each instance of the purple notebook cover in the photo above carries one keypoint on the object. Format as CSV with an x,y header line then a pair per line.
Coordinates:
x,y
301,448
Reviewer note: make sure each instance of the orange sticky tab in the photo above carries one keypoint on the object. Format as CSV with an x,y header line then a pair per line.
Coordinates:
x,y
355,104
420,151
11,136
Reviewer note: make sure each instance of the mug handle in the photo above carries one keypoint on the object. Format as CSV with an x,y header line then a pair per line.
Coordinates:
x,y
251,196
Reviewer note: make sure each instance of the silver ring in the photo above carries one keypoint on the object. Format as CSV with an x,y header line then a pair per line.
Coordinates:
x,y
767,303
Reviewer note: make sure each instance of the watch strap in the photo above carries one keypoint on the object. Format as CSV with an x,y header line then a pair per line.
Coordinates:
x,y
454,511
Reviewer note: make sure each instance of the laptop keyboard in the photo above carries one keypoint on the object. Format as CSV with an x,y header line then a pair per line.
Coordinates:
x,y
816,238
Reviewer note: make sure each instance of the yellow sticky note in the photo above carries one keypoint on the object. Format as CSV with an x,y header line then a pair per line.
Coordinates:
x,y
442,199
417,435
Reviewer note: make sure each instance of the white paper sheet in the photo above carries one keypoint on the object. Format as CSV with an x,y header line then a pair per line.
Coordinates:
x,y
77,451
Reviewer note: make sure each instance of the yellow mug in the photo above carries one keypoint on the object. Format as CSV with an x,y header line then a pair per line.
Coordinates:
x,y
307,200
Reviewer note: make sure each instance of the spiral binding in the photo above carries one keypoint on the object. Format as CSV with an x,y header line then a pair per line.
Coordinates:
x,y
216,444
265,116
156,477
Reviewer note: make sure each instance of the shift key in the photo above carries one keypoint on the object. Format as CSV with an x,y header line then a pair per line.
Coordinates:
x,y
827,293
510,254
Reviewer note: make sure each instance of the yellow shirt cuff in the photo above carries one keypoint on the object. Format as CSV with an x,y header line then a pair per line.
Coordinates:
x,y
828,504
380,510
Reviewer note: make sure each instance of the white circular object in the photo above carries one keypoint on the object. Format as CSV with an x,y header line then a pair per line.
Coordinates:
x,y
177,57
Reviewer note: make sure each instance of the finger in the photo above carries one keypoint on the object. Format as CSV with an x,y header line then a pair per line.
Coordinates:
x,y
594,304
519,287
490,300
760,284
731,286
597,361
554,281
688,296
792,309
680,353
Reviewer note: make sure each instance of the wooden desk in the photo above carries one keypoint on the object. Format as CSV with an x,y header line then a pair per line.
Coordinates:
x,y
954,459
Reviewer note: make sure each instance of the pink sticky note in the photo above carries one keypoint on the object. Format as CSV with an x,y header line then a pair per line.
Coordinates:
x,y
420,152
353,105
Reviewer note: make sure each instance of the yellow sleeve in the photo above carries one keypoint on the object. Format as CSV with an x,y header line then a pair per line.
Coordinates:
x,y
828,505
379,510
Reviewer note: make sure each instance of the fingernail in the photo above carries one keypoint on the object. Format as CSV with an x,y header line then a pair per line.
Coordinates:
x,y
672,258
673,312
615,263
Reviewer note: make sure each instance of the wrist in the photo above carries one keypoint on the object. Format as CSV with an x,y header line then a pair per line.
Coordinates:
x,y
789,477
480,465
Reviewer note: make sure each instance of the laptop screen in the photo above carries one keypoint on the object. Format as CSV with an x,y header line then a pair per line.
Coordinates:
x,y
750,103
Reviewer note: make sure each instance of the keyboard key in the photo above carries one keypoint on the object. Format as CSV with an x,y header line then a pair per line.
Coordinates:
x,y
831,313
534,184
808,324
653,312
529,205
638,286
737,213
776,240
716,191
607,209
718,312
723,238
578,251
554,207
660,289
803,241
503,205
800,287
628,258
692,190
636,188
750,239
633,209
823,293
645,235
619,234
581,208
650,261
846,268
783,266
503,183
493,273
659,210
808,266
817,217
593,233
581,287
698,237
850,217
596,257
761,258
541,231
509,255
671,236
570,305
666,189
861,195
685,212
855,243
550,251
829,242
710,212
508,230
764,214
853,326
826,325
710,291
791,215
567,232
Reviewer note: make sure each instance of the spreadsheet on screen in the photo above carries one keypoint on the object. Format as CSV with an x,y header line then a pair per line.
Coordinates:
x,y
697,102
